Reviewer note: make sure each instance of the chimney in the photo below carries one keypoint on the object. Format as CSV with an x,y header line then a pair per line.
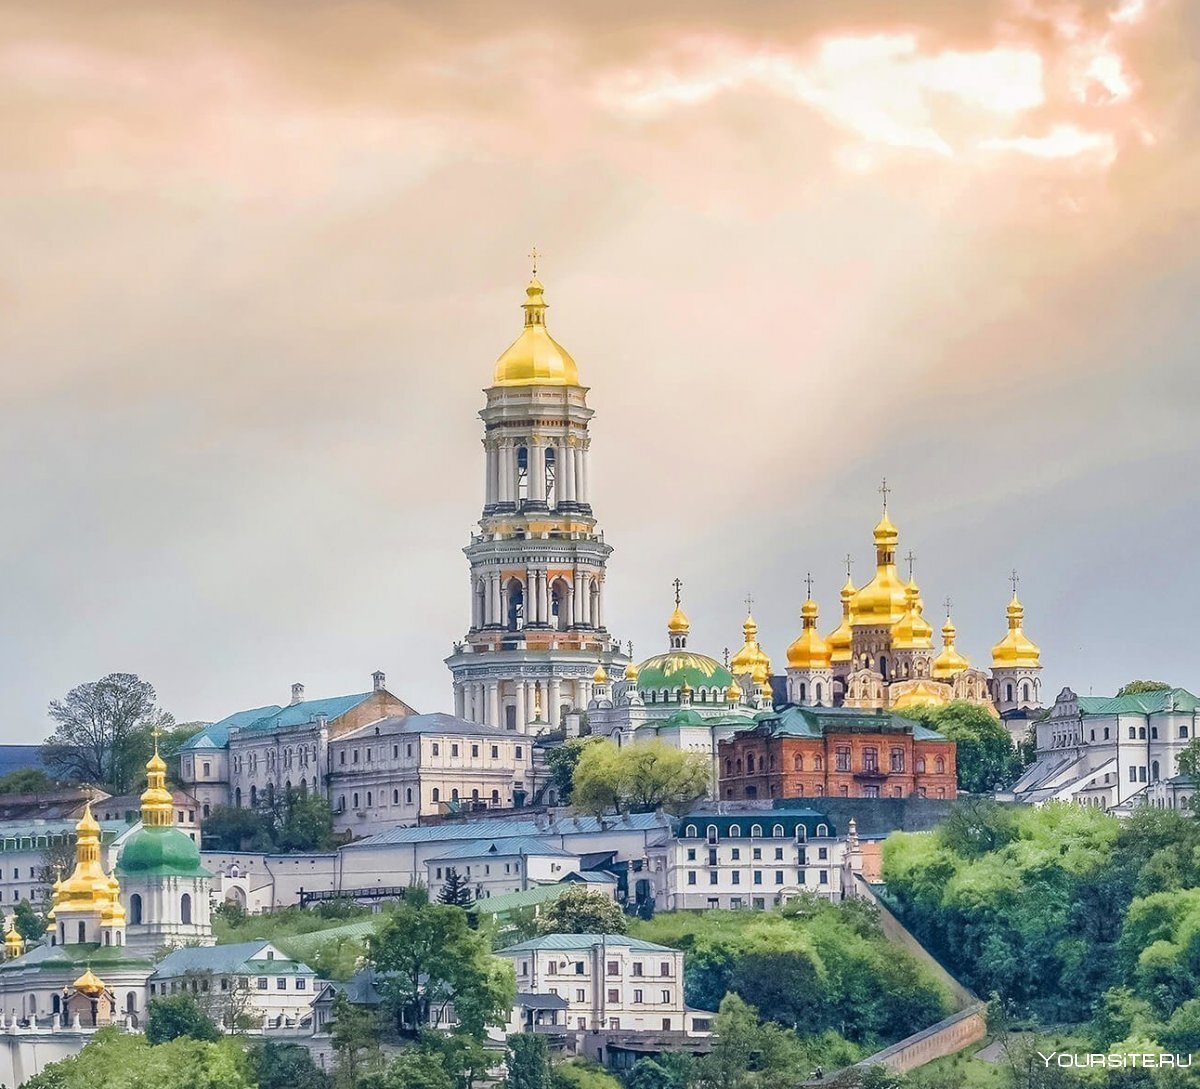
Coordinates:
x,y
297,693
378,681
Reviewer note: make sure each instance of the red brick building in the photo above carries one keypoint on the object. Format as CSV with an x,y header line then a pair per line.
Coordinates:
x,y
807,752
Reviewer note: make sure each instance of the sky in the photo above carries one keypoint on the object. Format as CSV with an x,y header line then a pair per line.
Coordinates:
x,y
259,259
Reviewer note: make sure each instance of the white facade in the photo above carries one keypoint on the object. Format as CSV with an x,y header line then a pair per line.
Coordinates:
x,y
501,866
609,982
1106,751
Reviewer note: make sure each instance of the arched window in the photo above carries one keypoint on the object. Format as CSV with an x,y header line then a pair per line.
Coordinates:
x,y
185,908
131,1002
356,799
1142,733
436,794
1008,691
690,832
818,763
1154,771
749,762
1132,734
253,797
82,932
495,797
803,692
712,833
1025,690
135,908
735,829
940,765
1183,731
408,796
822,831
801,833
369,799
107,938
820,790
798,762
777,831
454,795
818,692
756,830
395,797
728,767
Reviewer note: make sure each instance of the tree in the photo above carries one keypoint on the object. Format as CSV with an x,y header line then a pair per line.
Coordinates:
x,y
234,828
638,777
583,1074
561,761
30,925
983,748
579,910
746,1053
429,956
787,983
98,723
456,892
115,1058
1138,688
1189,758
670,1070
26,781
286,1066
417,1070
528,1062
173,1016
305,823
354,1037
976,826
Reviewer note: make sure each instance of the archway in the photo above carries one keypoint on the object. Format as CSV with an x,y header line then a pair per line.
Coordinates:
x,y
514,592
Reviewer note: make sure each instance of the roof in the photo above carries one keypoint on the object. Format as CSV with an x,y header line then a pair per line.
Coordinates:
x,y
502,828
1144,703
216,734
306,711
77,955
514,901
230,959
437,722
514,845
541,1001
568,943
816,722
767,819
360,988
591,877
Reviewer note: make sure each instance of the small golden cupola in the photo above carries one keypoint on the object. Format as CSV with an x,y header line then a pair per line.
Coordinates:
x,y
535,358
841,638
949,663
884,600
913,632
809,651
90,984
14,944
678,624
734,692
87,889
158,806
751,659
1016,650
600,676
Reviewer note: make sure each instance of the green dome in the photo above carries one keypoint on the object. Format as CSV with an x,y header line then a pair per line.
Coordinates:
x,y
672,669
162,852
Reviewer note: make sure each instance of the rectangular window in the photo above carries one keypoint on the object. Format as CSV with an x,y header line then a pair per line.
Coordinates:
x,y
301,983
758,877
756,854
779,877
262,983
408,750
355,760
691,880
778,854
518,753
281,983
495,752
870,759
614,968
737,854
614,996
737,877
580,996
474,750
579,967
691,855
897,760
841,759
1132,774
436,749
712,877
666,997
824,877
453,750
637,997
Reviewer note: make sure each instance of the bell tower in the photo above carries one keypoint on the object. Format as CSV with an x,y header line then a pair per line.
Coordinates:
x,y
538,562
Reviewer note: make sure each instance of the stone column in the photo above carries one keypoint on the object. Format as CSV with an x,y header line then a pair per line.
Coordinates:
x,y
543,597
598,619
537,472
493,703
581,476
460,703
494,578
566,454
506,472
554,700
522,706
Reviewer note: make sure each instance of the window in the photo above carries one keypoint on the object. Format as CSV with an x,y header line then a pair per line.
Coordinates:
x,y
841,759
735,830
756,831
637,968
897,760
798,762
436,794
614,968
637,997
281,983
614,996
712,833
495,752
737,877
940,765
822,830
185,908
712,880
870,759
301,983
691,878
262,983
518,752
475,750
408,796
736,854
580,996
758,877
777,831
666,997
779,877
436,749
453,750
689,832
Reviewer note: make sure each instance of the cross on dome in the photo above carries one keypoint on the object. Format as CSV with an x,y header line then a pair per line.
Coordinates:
x,y
533,256
885,491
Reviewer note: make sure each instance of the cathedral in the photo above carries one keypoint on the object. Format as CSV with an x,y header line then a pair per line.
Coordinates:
x,y
105,929
538,652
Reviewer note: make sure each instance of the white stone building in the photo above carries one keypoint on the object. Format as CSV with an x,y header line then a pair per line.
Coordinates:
x,y
610,982
1106,751
499,866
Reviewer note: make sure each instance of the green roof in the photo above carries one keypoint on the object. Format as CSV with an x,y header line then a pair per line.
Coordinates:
x,y
514,901
816,722
1144,703
567,943
82,955
160,852
689,716
303,946
672,669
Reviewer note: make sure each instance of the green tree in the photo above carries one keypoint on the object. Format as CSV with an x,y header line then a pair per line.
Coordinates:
x,y
26,781
983,748
638,777
670,1070
561,761
354,1037
177,1015
430,956
30,925
579,910
785,982
285,1066
747,1053
456,892
305,823
115,1058
583,1074
96,731
417,1069
1138,688
528,1062
1189,758
234,828
976,826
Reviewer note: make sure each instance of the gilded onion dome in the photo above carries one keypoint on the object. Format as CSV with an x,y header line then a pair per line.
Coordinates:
x,y
913,632
921,694
883,600
535,358
840,638
54,894
87,889
734,692
158,847
751,659
1016,650
631,672
14,944
601,675
949,662
678,623
809,650
679,666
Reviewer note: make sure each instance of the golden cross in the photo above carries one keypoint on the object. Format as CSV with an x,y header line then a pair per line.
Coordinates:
x,y
885,491
808,583
725,656
910,559
749,604
156,733
948,603
533,256
678,584
1014,578
849,564
629,644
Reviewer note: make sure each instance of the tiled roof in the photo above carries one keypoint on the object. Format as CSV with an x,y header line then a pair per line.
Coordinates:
x,y
298,714
1144,703
568,943
216,735
500,828
816,722
513,845
240,956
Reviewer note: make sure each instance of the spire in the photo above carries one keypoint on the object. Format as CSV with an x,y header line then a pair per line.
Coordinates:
x,y
1016,650
158,806
678,625
949,662
535,358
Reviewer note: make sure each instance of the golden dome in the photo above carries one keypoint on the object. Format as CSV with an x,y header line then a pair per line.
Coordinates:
x,y
921,694
840,638
601,675
89,888
949,662
883,600
751,658
14,944
1016,650
809,651
535,358
734,692
115,911
158,806
913,632
631,671
90,984
767,693
679,621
